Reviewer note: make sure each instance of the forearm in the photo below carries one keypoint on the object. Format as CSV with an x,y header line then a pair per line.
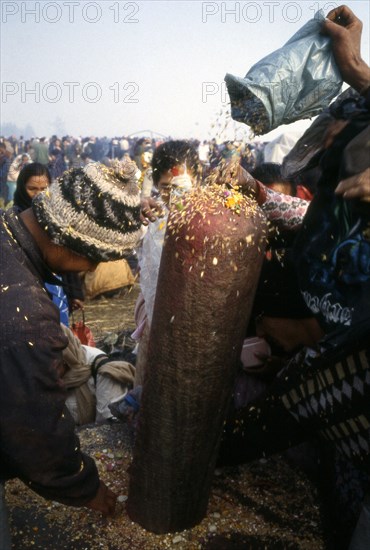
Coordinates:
x,y
284,211
360,79
345,30
38,440
76,489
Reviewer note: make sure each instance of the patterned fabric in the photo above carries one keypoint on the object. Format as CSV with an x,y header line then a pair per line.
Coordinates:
x,y
60,299
328,392
283,210
332,250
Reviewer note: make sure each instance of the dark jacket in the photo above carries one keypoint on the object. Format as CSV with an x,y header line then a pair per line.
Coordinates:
x,y
333,247
57,166
37,439
4,170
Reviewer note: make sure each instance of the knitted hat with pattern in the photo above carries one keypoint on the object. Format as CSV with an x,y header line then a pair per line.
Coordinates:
x,y
94,211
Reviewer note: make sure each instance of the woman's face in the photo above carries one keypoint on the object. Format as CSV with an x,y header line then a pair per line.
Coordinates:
x,y
36,185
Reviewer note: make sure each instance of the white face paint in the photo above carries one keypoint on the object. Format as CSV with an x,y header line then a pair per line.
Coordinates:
x,y
180,184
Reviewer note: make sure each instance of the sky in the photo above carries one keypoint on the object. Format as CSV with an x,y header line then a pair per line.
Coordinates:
x,y
112,68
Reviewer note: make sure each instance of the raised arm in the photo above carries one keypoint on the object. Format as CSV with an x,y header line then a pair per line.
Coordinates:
x,y
345,30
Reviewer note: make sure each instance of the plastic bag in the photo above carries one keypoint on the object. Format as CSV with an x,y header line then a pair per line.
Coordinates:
x,y
149,261
295,82
151,250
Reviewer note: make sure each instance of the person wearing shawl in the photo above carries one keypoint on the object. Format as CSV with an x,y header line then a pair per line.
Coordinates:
x,y
59,233
33,179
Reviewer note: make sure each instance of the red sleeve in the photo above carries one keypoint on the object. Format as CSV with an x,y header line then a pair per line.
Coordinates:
x,y
282,210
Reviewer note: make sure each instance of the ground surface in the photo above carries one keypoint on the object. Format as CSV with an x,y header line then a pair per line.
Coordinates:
x,y
264,505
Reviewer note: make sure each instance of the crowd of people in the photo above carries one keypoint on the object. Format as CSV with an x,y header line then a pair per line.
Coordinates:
x,y
311,306
59,154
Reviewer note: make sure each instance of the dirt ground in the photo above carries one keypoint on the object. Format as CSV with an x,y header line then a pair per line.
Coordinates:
x,y
267,504
107,315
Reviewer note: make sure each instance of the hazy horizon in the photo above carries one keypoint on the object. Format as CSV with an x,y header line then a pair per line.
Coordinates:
x,y
112,68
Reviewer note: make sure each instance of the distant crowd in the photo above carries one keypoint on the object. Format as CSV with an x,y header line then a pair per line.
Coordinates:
x,y
60,154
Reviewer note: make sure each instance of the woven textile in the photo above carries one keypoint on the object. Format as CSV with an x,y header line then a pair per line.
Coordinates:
x,y
94,211
328,392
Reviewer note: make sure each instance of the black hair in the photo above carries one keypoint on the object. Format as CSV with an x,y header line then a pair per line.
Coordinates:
x,y
172,153
269,172
21,198
308,177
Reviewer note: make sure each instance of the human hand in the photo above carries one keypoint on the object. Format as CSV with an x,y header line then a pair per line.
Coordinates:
x,y
345,30
150,210
76,304
104,501
247,183
232,174
355,187
126,408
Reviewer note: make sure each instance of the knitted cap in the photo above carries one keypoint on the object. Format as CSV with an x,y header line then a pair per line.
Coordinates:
x,y
94,211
